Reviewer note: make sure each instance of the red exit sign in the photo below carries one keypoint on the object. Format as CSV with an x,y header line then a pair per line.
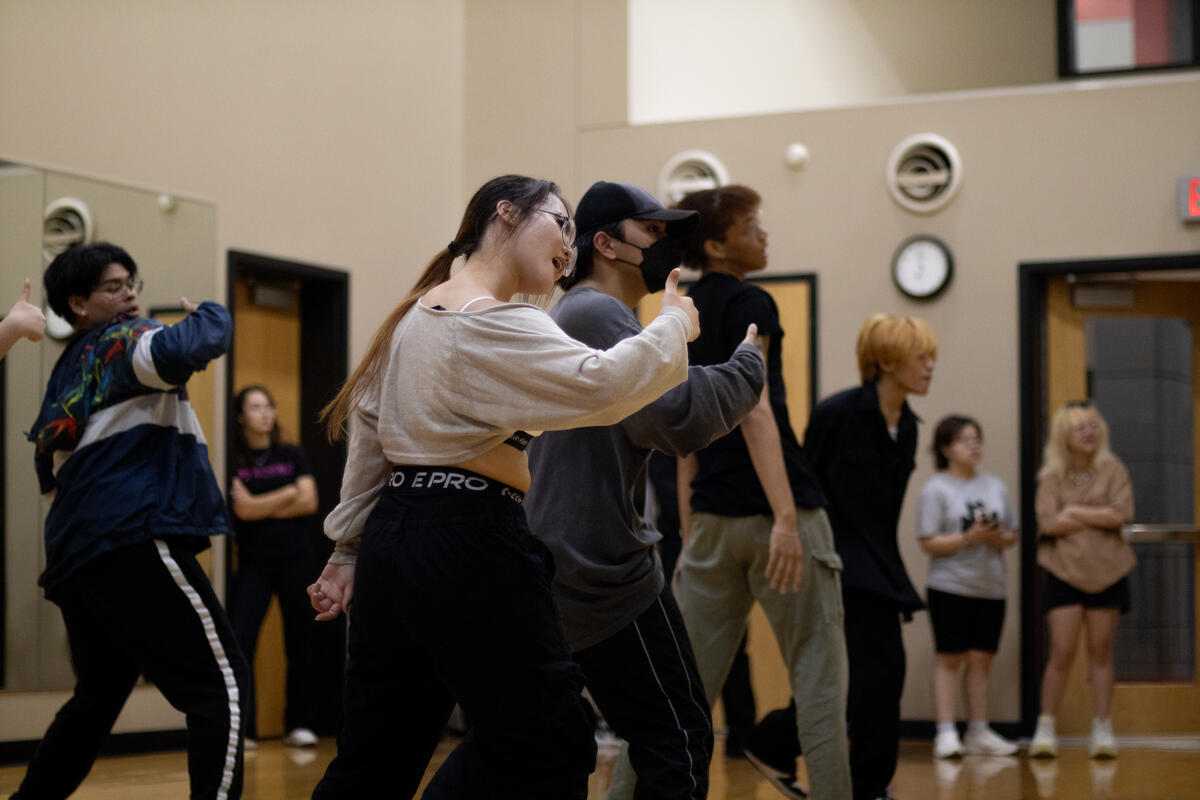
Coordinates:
x,y
1189,199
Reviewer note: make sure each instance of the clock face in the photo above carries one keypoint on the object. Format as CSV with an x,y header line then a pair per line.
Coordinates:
x,y
922,266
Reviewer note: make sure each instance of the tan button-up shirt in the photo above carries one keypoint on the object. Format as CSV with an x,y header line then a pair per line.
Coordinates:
x,y
1091,559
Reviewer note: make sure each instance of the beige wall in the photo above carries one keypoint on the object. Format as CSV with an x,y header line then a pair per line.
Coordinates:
x,y
701,59
350,134
324,132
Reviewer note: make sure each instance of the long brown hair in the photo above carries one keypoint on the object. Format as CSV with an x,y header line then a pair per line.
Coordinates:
x,y
523,192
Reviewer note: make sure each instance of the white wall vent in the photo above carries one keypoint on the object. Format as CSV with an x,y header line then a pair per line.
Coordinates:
x,y
924,173
687,172
66,222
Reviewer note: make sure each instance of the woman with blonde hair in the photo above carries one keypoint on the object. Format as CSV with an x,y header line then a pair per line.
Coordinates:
x,y
449,593
1084,497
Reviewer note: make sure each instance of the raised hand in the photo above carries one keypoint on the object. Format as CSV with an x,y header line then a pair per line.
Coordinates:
x,y
672,299
29,320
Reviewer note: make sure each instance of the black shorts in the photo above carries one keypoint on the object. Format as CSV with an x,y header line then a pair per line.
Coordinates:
x,y
1059,593
962,623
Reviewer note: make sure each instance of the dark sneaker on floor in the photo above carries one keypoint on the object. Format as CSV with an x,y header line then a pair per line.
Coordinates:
x,y
784,782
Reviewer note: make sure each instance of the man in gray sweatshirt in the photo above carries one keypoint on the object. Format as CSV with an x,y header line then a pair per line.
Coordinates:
x,y
622,624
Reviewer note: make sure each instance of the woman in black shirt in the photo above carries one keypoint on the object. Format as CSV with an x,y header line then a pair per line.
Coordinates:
x,y
270,494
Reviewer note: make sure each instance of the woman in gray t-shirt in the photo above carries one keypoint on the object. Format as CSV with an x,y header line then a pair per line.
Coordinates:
x,y
965,521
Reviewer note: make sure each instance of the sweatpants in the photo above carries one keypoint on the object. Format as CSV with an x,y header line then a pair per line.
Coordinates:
x,y
147,609
645,682
452,603
285,576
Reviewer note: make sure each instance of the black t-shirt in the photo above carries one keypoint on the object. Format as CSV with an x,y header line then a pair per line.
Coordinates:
x,y
265,471
726,482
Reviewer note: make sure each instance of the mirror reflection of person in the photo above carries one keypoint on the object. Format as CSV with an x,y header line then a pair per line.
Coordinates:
x,y
1083,498
134,499
271,494
965,522
23,321
448,592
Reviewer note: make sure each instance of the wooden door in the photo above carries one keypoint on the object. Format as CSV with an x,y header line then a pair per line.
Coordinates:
x,y
1138,707
266,347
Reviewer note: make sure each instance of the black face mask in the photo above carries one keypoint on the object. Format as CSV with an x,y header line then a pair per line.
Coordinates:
x,y
657,261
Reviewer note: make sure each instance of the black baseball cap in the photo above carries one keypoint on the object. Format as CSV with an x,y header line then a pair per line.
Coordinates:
x,y
607,202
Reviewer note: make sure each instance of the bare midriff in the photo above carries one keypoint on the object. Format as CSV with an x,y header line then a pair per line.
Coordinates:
x,y
502,463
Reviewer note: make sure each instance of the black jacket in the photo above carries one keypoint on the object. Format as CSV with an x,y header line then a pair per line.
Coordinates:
x,y
864,474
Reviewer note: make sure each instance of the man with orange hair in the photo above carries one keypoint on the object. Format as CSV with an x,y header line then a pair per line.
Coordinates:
x,y
861,444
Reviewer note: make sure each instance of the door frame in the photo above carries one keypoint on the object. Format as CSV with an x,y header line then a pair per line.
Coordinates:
x,y
324,348
1034,277
324,362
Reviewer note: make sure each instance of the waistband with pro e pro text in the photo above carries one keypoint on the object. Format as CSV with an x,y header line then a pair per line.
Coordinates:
x,y
423,479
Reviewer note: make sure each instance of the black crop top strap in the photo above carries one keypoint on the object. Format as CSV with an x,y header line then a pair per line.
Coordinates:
x,y
520,440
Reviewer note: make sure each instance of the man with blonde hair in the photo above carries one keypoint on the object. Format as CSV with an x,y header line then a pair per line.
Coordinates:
x,y
861,444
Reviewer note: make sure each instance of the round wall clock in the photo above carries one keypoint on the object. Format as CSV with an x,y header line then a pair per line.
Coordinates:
x,y
922,266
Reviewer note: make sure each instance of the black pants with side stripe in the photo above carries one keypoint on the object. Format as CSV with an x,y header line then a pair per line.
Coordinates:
x,y
645,682
147,609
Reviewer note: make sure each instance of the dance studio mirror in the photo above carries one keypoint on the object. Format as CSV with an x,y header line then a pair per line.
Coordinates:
x,y
173,241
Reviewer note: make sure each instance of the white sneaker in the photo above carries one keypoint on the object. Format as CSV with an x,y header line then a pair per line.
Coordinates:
x,y
987,743
1103,744
300,737
947,745
1044,743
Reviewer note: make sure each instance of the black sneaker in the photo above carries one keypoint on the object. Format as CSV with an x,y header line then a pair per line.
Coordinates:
x,y
784,782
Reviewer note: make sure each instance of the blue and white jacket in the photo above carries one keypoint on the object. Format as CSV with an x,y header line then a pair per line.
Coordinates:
x,y
118,444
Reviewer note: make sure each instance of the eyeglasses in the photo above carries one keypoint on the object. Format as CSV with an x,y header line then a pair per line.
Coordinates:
x,y
116,287
566,226
969,441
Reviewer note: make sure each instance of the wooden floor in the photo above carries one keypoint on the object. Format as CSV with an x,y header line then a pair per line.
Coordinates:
x,y
275,773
